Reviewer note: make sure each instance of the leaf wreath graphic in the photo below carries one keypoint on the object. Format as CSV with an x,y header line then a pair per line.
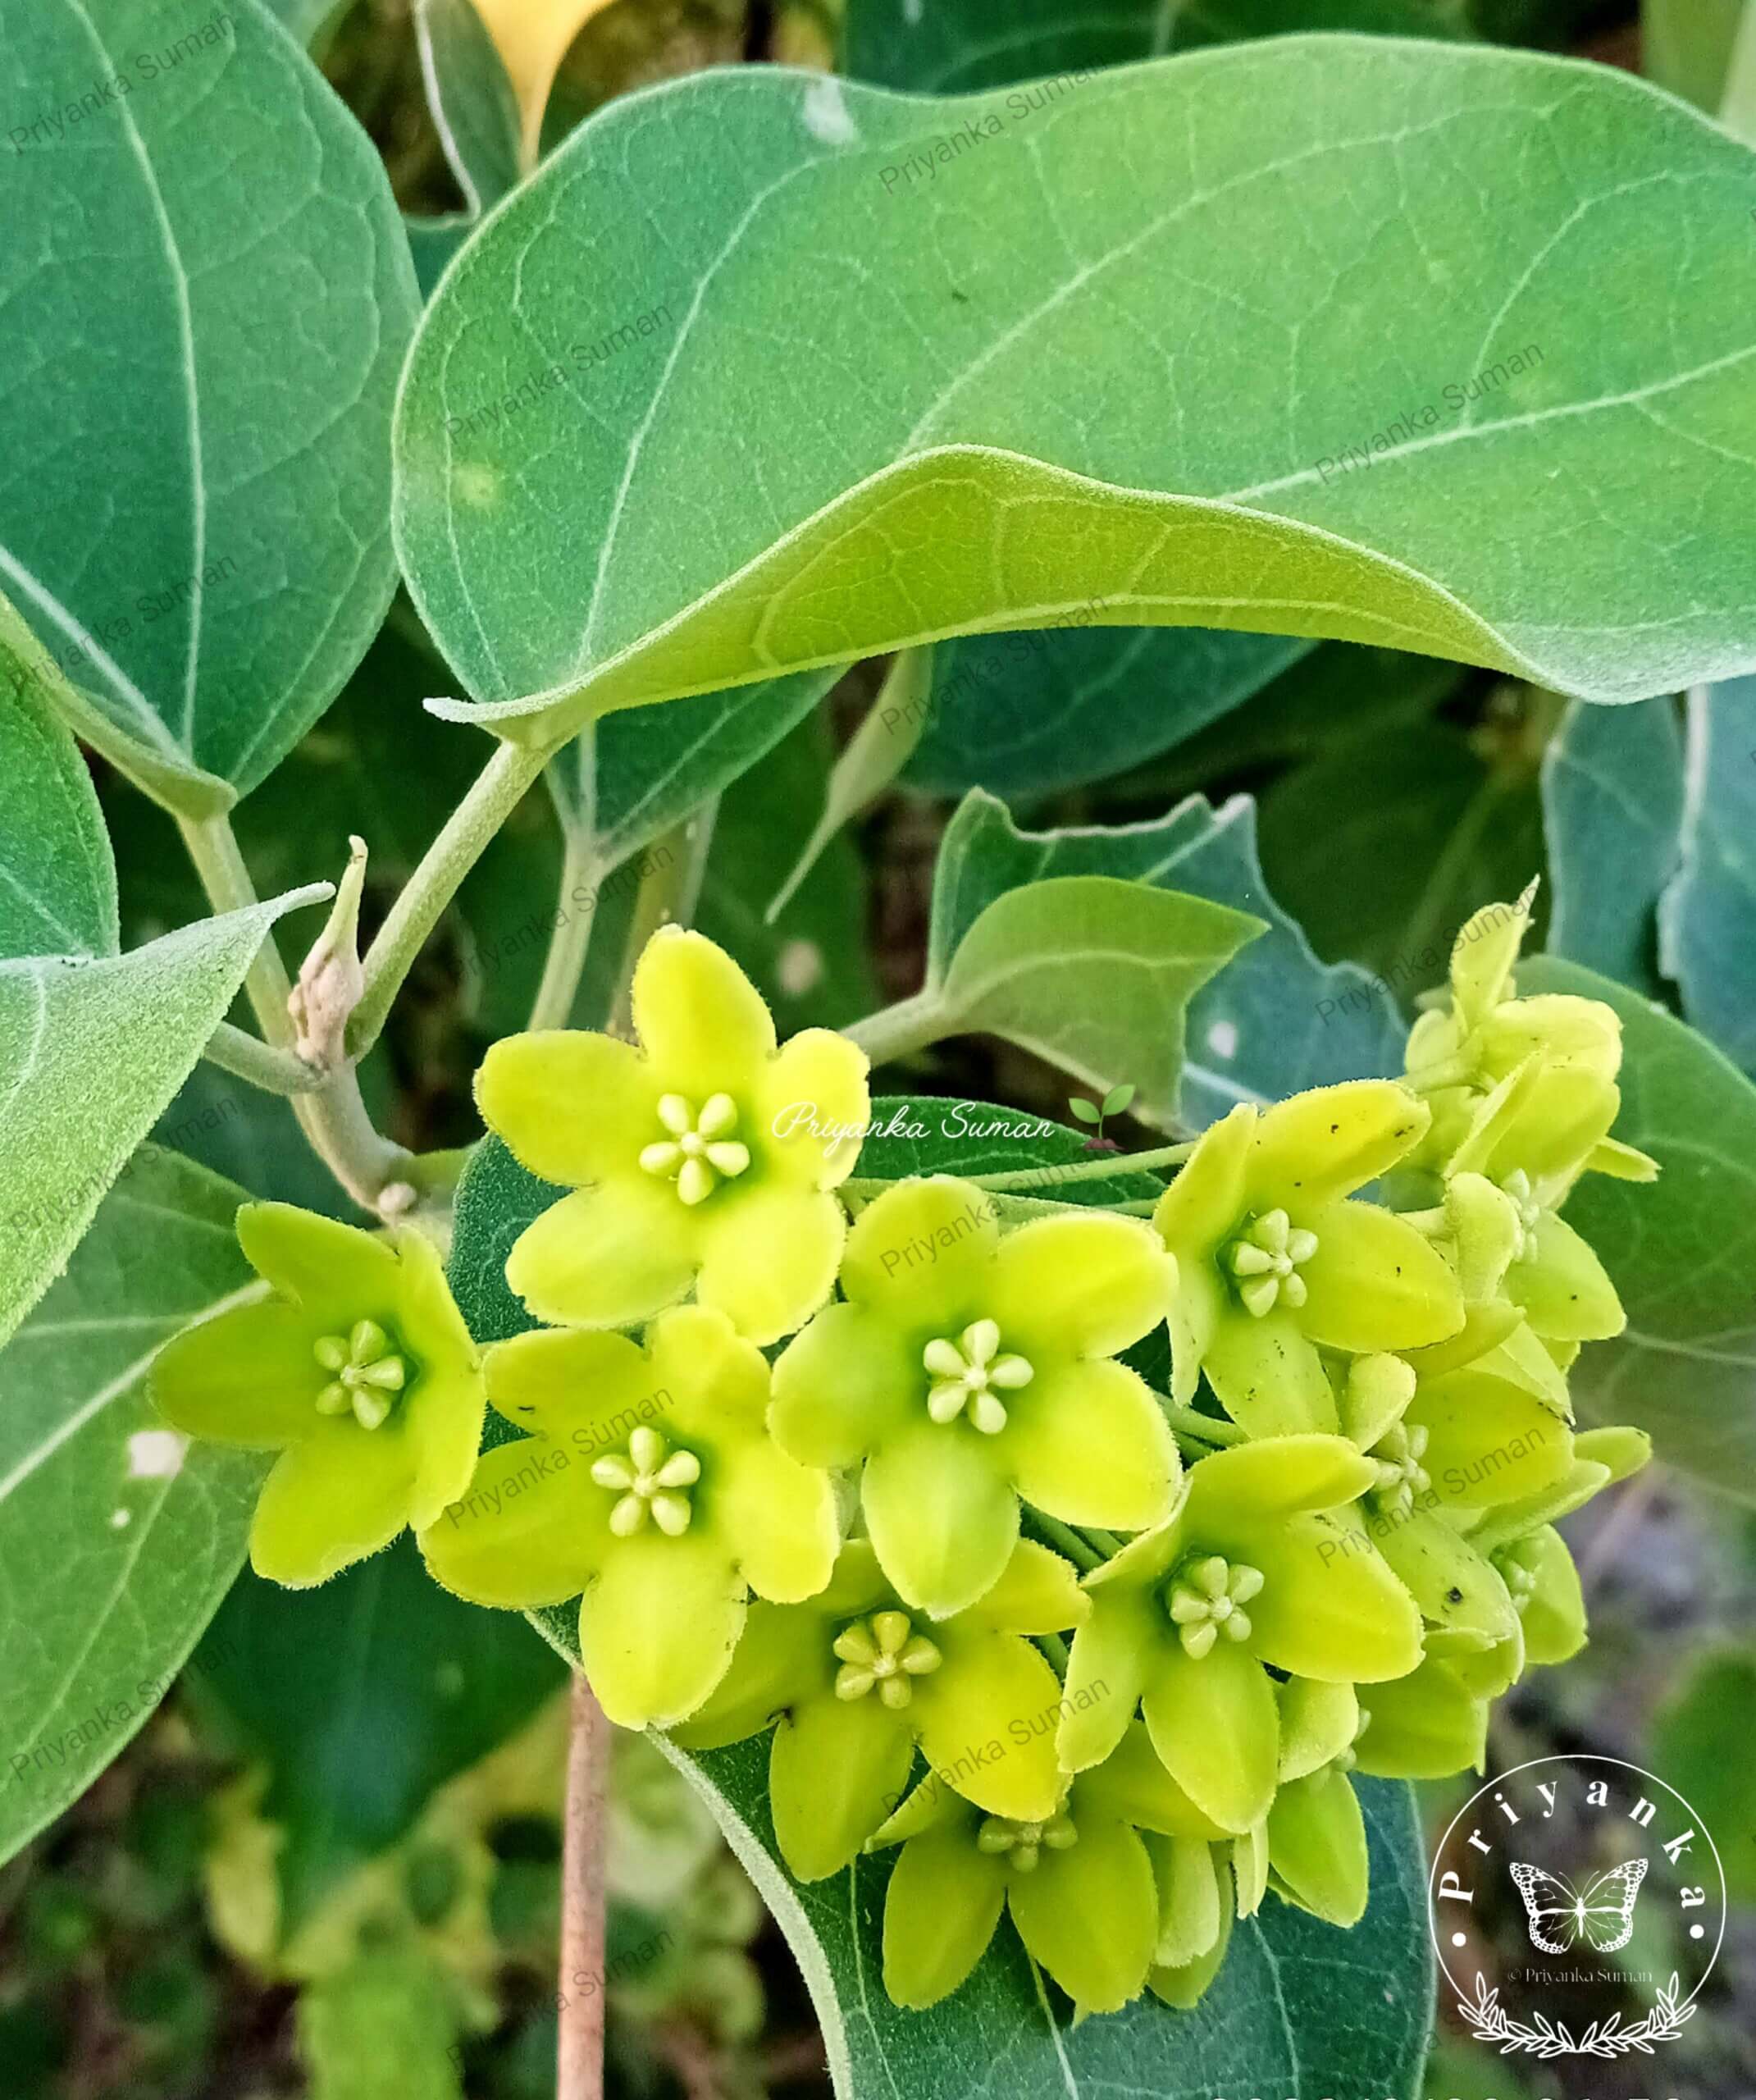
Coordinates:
x,y
1562,1916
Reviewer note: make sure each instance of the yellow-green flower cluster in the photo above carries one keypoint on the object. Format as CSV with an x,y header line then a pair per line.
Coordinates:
x,y
1098,1657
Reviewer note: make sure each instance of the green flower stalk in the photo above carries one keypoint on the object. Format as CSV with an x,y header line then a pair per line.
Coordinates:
x,y
359,1370
857,1680
649,1487
1078,1883
1274,1262
966,1369
1262,1563
703,1161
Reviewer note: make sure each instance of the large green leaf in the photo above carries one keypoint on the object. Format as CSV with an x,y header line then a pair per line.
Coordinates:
x,y
91,1049
1612,801
1274,1021
1682,1251
117,1542
1298,2007
1093,973
673,517
58,879
201,335
959,45
362,1698
1706,919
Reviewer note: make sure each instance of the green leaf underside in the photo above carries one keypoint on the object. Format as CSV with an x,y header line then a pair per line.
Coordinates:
x,y
1681,1253
116,1543
1033,713
58,876
1298,2006
1706,919
1612,797
957,46
1274,1021
220,273
363,1697
642,520
90,1053
1094,974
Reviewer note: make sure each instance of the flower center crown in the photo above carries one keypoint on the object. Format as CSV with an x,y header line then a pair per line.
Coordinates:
x,y
1265,1258
883,1652
965,1375
654,1481
1023,1843
1517,1186
1401,1476
1207,1598
368,1373
701,1151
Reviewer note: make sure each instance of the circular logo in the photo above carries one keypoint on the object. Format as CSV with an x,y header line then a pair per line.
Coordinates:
x,y
1608,1884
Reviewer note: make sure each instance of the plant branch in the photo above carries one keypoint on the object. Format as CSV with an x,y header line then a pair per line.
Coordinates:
x,y
1093,1169
248,1058
1204,1428
213,847
580,2056
899,1031
571,942
499,788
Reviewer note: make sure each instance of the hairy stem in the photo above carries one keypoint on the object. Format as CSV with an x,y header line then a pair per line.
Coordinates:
x,y
580,2057
501,787
248,1058
1206,1429
899,1031
1093,1169
570,941
1064,1539
213,847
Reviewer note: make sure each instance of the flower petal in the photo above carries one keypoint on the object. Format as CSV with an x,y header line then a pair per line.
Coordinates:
x,y
778,1518
811,1103
941,1518
1188,1899
1322,1145
336,1272
1374,1283
1207,1198
531,1530
575,1108
845,1385
920,1254
330,1500
658,1627
1488,1441
768,1256
1133,1785
1456,1588
1270,1379
993,1692
1276,1477
1564,1289
713,1381
784,1658
1106,1673
944,1900
447,1408
1316,1845
1089,1915
1425,1727
246,1377
585,1391
1329,1607
1088,1444
700,1021
837,1769
1318,1722
607,1257
1038,1593
1083,1286
1214,1723
1183,1983
1199,1300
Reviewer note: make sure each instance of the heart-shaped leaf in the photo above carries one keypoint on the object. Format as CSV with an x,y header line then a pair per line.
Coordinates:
x,y
140,1534
603,499
1682,1251
91,1049
1298,2007
1274,1021
1706,919
209,316
1612,800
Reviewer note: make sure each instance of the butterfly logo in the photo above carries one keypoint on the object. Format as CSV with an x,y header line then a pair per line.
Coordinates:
x,y
1601,1915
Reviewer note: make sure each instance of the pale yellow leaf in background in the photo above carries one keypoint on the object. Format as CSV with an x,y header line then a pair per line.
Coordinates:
x,y
533,37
